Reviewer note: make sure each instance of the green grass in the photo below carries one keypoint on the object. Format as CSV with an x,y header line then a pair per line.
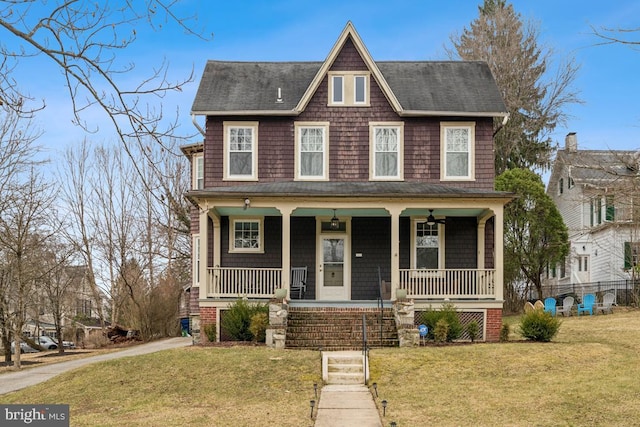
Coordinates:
x,y
588,375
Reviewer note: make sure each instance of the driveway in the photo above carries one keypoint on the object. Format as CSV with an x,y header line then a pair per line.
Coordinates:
x,y
13,381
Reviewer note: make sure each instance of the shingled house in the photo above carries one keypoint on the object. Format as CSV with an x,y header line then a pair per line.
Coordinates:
x,y
373,180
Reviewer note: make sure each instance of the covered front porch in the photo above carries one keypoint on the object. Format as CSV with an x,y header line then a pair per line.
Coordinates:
x,y
424,248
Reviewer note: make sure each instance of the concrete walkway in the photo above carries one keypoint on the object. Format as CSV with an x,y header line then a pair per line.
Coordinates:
x,y
13,381
347,406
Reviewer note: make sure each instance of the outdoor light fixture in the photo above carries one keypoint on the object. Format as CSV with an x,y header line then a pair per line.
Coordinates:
x,y
384,408
312,403
315,389
335,222
247,202
375,388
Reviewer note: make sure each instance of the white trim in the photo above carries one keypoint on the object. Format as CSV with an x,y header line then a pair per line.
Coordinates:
x,y
322,292
228,126
325,150
332,89
195,259
470,126
232,229
372,152
349,88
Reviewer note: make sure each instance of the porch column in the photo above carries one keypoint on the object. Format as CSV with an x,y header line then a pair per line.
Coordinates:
x,y
482,222
395,250
286,247
499,246
204,246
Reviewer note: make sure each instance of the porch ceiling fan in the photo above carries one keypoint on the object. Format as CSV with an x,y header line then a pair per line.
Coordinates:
x,y
431,220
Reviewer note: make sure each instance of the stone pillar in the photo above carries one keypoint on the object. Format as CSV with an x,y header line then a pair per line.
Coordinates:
x,y
277,331
404,313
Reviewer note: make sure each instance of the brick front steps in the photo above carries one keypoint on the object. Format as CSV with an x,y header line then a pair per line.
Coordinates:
x,y
330,328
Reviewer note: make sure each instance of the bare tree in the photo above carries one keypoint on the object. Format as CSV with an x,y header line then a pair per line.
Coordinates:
x,y
23,231
533,94
625,36
85,41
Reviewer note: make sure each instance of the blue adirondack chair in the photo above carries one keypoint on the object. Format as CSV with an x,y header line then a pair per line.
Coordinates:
x,y
588,301
550,305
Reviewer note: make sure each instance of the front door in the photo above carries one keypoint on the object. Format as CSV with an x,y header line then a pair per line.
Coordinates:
x,y
333,268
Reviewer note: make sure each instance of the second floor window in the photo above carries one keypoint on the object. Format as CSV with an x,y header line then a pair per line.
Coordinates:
x,y
241,145
311,150
457,155
631,255
349,88
386,149
198,172
610,214
596,211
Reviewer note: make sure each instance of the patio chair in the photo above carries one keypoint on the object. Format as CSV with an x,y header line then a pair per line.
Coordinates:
x,y
588,301
550,305
298,281
607,303
528,307
567,305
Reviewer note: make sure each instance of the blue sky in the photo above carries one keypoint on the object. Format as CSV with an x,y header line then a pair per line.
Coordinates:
x,y
299,30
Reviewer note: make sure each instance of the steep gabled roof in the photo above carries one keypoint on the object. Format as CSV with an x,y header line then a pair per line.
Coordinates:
x,y
598,167
412,88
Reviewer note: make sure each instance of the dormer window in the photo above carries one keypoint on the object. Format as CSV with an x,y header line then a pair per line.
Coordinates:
x,y
349,88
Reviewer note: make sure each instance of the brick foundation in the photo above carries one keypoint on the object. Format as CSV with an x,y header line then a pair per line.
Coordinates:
x,y
494,324
207,317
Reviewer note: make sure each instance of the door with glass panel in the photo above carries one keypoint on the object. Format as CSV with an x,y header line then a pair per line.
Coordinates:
x,y
333,267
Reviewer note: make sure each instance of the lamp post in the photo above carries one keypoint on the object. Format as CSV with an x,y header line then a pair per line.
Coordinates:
x,y
384,408
312,403
375,388
315,390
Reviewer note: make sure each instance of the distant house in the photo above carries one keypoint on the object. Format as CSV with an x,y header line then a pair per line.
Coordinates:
x,y
374,178
598,195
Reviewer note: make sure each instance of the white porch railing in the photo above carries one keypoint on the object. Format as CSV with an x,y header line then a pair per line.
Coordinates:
x,y
452,284
240,282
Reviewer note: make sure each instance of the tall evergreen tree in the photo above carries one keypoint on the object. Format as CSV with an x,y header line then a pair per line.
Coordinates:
x,y
534,99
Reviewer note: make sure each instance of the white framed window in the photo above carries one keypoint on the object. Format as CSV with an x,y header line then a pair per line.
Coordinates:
x,y
583,263
427,245
198,171
245,235
312,150
349,88
457,151
386,140
195,259
337,90
241,151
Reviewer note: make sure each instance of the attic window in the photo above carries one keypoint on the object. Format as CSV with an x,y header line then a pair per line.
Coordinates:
x,y
349,88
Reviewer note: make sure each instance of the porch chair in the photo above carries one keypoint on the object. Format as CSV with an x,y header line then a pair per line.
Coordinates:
x,y
588,301
607,303
298,281
567,305
550,305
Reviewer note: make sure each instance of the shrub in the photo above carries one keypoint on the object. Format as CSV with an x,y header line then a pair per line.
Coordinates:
x,y
210,332
441,331
258,326
505,331
539,325
473,330
237,319
447,313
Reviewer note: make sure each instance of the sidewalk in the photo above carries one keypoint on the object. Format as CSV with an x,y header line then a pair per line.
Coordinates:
x,y
347,406
12,381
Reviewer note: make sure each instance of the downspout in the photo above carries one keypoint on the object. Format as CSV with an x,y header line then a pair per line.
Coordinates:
x,y
195,123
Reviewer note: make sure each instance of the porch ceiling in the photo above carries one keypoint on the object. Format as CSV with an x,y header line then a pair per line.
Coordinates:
x,y
345,212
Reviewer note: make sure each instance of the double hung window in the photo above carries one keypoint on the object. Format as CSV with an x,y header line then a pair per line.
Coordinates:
x,y
457,156
246,235
241,145
386,151
312,151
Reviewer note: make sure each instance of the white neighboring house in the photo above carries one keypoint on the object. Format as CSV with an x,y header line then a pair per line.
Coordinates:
x,y
598,195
